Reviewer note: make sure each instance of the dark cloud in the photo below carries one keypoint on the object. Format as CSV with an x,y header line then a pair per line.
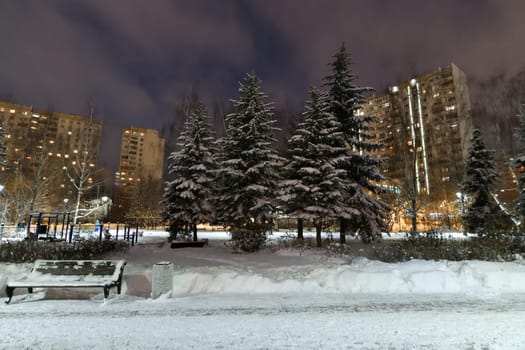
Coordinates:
x,y
133,57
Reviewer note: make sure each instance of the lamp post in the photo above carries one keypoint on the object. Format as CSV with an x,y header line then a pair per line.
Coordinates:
x,y
461,199
65,224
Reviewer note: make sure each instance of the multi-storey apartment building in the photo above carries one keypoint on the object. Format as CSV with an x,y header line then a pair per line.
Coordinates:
x,y
141,159
41,143
425,126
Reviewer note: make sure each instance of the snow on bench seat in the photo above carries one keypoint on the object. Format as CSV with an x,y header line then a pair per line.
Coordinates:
x,y
71,274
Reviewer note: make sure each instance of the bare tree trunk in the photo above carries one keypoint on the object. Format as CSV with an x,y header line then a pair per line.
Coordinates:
x,y
77,206
414,216
195,233
343,227
300,228
318,228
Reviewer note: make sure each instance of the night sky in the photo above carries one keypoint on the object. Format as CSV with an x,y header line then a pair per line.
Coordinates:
x,y
134,58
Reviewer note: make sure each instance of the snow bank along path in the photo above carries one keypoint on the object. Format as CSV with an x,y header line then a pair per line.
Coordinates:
x,y
362,276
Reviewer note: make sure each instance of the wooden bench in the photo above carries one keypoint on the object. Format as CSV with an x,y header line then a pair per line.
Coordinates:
x,y
71,274
188,244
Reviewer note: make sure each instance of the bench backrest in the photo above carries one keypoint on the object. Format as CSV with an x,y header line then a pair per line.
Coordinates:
x,y
86,269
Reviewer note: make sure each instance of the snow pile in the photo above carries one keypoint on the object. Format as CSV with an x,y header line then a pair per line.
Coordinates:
x,y
362,276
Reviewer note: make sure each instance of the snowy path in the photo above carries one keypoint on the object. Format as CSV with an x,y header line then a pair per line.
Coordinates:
x,y
266,322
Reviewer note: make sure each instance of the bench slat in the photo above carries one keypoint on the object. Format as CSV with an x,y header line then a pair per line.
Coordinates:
x,y
56,284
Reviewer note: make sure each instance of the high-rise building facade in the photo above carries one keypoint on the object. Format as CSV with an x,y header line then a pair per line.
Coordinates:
x,y
425,127
41,143
141,159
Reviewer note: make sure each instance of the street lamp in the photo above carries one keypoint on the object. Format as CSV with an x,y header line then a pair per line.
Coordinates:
x,y
461,198
65,225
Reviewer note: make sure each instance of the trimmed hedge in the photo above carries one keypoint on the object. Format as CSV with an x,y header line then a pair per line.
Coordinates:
x,y
494,248
29,251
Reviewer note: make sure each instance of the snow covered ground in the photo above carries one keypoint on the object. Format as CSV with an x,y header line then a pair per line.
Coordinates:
x,y
276,299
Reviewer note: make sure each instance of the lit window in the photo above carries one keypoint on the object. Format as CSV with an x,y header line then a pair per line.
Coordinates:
x,y
12,111
50,153
36,116
51,141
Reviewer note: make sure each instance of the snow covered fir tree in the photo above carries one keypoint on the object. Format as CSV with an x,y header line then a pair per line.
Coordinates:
x,y
314,182
345,100
483,213
248,167
188,198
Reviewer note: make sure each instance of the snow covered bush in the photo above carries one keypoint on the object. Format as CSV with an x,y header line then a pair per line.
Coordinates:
x,y
29,251
247,239
490,248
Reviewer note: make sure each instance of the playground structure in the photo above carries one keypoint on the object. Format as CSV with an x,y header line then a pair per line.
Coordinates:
x,y
58,226
47,226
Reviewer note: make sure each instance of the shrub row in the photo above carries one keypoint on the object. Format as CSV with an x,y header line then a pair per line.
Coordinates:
x,y
29,251
494,248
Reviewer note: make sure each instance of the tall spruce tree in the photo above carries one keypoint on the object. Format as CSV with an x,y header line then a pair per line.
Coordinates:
x,y
248,165
188,198
480,179
314,184
345,99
